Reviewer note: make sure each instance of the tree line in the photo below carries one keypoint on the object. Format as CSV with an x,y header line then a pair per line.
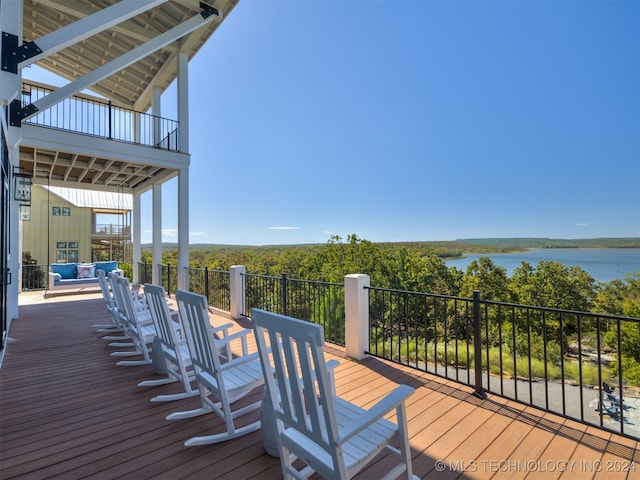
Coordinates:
x,y
421,267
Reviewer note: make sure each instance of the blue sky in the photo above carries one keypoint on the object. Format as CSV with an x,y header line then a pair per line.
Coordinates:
x,y
413,120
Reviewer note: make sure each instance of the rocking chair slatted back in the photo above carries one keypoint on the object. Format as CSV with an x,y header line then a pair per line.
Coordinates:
x,y
169,347
115,325
139,325
161,315
194,312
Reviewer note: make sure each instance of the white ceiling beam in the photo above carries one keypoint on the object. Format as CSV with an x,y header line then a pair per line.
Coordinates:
x,y
119,63
87,27
76,9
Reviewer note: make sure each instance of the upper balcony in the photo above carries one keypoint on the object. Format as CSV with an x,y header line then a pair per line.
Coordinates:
x,y
93,421
96,117
88,143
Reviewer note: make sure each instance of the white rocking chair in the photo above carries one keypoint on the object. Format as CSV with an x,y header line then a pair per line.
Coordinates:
x,y
122,333
172,346
139,328
227,382
331,436
109,301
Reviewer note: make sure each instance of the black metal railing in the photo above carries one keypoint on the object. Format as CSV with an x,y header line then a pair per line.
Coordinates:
x,y
317,302
111,229
169,278
560,361
145,272
35,277
213,284
90,116
430,332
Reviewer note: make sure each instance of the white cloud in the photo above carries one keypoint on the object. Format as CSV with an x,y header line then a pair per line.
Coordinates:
x,y
284,228
581,224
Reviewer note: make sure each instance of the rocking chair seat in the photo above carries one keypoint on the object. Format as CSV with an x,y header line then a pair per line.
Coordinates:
x,y
245,375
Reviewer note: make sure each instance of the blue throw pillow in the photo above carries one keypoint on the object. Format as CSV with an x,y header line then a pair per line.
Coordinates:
x,y
66,270
108,267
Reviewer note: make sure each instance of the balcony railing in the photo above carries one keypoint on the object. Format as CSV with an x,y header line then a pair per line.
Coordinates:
x,y
89,116
557,360
318,302
214,284
566,362
35,277
111,229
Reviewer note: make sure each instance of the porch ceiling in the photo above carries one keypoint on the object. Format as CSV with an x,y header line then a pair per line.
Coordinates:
x,y
95,168
113,167
75,170
132,85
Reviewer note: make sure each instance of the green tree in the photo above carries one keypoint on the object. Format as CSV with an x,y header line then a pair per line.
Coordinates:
x,y
553,285
486,276
620,297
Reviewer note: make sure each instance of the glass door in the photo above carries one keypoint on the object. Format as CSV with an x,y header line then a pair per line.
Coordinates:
x,y
4,238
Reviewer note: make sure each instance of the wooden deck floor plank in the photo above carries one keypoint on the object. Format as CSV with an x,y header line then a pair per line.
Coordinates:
x,y
61,408
98,427
527,458
98,442
555,459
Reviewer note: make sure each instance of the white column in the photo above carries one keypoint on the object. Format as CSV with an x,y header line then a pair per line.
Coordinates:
x,y
183,102
156,234
11,23
356,305
183,176
156,111
136,216
10,87
236,283
183,226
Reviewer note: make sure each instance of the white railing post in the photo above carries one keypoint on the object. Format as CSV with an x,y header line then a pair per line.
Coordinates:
x,y
236,282
356,305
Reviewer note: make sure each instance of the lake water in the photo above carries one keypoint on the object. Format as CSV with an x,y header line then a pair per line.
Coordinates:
x,y
603,264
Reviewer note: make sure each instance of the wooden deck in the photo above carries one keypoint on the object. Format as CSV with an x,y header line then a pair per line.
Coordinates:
x,y
68,412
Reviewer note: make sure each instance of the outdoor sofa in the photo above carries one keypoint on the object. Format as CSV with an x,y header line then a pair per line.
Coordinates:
x,y
78,275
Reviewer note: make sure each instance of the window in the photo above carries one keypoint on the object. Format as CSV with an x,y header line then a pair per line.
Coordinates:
x,y
67,252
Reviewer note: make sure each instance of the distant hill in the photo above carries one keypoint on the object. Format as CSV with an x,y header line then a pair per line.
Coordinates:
x,y
443,249
630,242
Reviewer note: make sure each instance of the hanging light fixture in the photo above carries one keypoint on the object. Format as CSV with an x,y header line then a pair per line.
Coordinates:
x,y
22,186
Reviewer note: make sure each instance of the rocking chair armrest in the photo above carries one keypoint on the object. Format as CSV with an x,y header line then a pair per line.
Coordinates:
x,y
222,328
331,366
242,334
393,400
239,361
